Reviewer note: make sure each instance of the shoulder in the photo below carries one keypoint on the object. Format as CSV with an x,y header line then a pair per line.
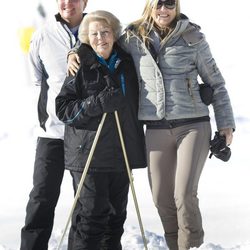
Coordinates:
x,y
87,55
128,38
192,34
122,53
49,27
130,28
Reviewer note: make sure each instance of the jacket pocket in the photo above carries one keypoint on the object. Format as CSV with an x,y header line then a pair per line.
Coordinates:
x,y
77,147
191,93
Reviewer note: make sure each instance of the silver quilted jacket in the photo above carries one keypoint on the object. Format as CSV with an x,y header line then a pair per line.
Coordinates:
x,y
169,86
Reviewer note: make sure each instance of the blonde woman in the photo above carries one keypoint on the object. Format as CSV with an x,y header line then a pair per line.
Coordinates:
x,y
169,53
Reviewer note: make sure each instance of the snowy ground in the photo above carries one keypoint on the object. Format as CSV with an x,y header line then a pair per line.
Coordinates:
x,y
223,190
224,187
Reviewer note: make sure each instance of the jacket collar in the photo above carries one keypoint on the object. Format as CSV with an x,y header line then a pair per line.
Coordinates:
x,y
59,18
90,58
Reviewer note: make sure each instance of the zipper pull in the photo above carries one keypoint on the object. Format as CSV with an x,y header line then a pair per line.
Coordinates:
x,y
189,87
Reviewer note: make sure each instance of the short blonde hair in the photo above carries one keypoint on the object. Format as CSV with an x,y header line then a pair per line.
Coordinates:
x,y
101,16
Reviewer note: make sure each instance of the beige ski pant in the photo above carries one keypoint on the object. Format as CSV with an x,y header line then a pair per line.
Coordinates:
x,y
175,161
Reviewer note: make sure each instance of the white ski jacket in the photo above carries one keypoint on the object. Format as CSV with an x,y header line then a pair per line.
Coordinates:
x,y
48,64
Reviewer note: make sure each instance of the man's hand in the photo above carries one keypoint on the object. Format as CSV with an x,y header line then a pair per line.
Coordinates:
x,y
73,64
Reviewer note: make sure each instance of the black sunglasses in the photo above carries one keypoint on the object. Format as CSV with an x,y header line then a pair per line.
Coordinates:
x,y
169,4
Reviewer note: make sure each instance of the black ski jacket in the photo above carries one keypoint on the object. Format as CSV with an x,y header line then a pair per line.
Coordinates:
x,y
80,128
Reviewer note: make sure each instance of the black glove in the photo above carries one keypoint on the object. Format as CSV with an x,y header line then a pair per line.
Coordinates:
x,y
206,93
219,148
111,99
92,106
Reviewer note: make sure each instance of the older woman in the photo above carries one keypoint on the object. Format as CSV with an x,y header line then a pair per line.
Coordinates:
x,y
106,81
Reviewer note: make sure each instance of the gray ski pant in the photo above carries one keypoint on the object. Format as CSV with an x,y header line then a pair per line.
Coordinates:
x,y
175,161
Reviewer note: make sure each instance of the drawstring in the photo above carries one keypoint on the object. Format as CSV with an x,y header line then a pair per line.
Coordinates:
x,y
123,84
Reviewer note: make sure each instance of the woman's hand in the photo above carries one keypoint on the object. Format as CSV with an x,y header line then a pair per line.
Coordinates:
x,y
228,133
73,64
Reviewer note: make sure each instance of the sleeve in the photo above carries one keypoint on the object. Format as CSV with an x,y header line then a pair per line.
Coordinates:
x,y
75,48
210,74
35,63
123,42
72,107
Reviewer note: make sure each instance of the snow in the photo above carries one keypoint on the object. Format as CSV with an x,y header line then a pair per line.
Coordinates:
x,y
224,187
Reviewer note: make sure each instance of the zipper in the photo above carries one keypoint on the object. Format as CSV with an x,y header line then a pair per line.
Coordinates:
x,y
190,91
69,34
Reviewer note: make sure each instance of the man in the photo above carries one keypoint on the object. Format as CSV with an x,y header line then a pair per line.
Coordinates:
x,y
48,59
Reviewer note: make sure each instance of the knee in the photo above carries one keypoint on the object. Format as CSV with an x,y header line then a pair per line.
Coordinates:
x,y
187,201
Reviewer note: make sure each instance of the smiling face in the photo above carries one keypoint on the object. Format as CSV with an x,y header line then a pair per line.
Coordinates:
x,y
164,16
101,38
71,10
